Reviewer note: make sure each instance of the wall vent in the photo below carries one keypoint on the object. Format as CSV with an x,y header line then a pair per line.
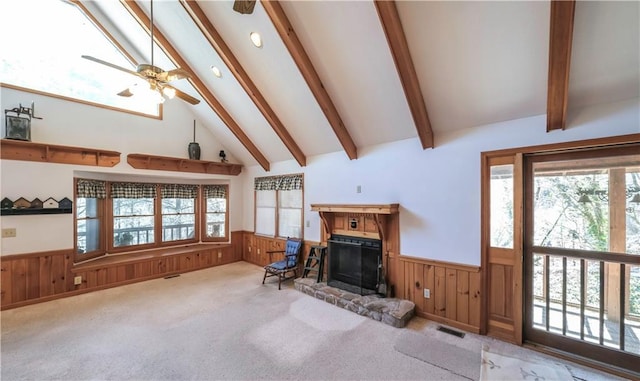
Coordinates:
x,y
451,331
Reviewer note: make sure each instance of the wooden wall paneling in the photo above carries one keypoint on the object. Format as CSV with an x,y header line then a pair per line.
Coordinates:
x,y
58,271
429,282
450,293
475,305
32,278
101,277
6,277
419,285
19,280
46,278
112,275
409,282
370,225
462,296
92,278
455,291
185,263
121,273
439,292
143,269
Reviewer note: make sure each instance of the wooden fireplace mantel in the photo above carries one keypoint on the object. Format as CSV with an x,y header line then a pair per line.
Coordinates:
x,y
370,219
354,208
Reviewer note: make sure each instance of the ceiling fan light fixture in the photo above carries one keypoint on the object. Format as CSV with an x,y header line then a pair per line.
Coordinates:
x,y
256,39
216,71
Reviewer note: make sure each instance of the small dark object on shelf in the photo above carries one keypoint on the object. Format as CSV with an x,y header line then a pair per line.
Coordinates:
x,y
223,156
194,148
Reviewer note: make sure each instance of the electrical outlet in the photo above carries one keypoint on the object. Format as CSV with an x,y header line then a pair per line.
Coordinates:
x,y
9,233
308,223
219,254
359,189
427,293
258,251
77,280
249,248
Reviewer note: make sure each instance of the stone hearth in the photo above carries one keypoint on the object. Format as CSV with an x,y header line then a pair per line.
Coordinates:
x,y
392,311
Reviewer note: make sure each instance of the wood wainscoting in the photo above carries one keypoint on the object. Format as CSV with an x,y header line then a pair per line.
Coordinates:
x,y
255,248
455,290
39,277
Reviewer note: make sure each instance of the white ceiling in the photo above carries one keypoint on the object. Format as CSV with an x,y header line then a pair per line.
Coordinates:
x,y
477,62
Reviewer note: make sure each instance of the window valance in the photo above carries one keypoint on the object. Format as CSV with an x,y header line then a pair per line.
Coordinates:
x,y
179,191
284,182
133,190
91,188
215,191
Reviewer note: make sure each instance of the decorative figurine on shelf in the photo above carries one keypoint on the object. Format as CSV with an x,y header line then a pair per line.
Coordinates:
x,y
194,148
18,122
223,156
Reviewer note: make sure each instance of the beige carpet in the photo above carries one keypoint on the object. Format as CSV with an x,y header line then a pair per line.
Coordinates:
x,y
218,323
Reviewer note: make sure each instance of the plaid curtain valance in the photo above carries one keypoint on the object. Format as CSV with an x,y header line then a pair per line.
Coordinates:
x,y
285,182
91,188
179,191
133,190
215,191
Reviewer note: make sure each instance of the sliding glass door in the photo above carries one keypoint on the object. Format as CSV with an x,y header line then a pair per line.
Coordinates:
x,y
582,253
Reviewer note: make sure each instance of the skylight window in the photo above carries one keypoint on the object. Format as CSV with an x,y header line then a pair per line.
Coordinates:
x,y
49,60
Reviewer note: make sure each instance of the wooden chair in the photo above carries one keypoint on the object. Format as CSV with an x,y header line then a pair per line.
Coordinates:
x,y
289,264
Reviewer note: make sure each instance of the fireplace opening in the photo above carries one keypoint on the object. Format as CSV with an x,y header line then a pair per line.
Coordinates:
x,y
355,264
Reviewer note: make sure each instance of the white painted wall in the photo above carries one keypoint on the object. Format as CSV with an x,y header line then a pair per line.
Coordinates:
x,y
74,124
438,189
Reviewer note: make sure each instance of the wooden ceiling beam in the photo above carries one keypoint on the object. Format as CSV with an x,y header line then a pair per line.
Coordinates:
x,y
138,13
292,42
215,40
390,20
560,40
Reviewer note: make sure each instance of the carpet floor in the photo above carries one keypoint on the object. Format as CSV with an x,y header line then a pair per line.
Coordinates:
x,y
223,324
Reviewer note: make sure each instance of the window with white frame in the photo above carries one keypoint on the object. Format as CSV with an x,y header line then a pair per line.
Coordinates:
x,y
278,206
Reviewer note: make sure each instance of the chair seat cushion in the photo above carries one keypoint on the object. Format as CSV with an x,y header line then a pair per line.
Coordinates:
x,y
280,265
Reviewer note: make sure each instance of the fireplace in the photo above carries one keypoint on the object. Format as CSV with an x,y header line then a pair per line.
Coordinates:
x,y
355,264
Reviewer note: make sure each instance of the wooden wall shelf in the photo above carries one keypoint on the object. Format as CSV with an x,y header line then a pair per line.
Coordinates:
x,y
356,208
163,163
31,211
50,153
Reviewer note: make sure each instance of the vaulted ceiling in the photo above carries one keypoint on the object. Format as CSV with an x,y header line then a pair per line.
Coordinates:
x,y
341,75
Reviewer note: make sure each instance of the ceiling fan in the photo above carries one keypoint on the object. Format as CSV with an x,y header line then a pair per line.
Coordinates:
x,y
157,78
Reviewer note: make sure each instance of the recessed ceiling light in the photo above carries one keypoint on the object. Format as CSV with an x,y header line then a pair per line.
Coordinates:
x,y
256,39
216,71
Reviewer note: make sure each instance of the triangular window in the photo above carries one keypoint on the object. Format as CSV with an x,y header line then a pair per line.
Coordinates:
x,y
43,43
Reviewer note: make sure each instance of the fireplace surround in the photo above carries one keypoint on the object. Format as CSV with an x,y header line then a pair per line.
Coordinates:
x,y
363,241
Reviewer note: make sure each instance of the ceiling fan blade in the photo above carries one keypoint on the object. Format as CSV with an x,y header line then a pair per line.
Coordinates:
x,y
184,96
244,6
172,75
125,93
110,65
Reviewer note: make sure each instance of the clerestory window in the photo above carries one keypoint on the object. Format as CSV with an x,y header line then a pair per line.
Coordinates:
x,y
49,61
